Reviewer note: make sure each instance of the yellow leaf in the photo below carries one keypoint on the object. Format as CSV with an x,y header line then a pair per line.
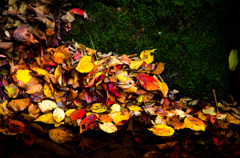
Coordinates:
x,y
40,71
108,127
134,65
85,65
162,130
48,119
47,90
210,111
194,124
122,76
232,119
135,108
121,116
163,86
146,56
60,136
233,59
23,75
98,108
58,72
69,111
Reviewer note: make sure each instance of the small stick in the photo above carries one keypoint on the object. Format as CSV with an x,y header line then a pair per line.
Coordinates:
x,y
215,98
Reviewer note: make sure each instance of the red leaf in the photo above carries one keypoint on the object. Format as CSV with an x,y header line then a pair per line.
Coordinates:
x,y
114,90
77,114
147,82
95,80
77,11
28,138
89,120
17,126
217,142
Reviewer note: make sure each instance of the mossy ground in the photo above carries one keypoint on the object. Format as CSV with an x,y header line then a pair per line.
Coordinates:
x,y
191,37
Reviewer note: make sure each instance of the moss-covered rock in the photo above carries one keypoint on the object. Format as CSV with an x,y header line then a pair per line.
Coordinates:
x,y
190,36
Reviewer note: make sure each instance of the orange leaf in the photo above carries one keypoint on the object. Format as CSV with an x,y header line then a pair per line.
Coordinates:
x,y
159,69
19,104
34,89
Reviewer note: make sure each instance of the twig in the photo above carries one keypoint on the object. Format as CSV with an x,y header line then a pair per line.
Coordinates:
x,y
215,98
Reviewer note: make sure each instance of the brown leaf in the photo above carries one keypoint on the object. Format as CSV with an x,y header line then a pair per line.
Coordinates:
x,y
34,89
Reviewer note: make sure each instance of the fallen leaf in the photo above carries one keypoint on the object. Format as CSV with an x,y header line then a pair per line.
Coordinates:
x,y
85,65
23,75
108,127
233,60
34,89
19,104
98,108
47,106
162,130
17,126
134,65
147,82
77,114
11,90
60,136
146,56
58,115
159,69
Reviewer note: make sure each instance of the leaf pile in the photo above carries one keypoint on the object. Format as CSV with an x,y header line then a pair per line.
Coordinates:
x,y
70,85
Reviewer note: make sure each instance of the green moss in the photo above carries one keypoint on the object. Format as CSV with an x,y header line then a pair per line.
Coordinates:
x,y
190,36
